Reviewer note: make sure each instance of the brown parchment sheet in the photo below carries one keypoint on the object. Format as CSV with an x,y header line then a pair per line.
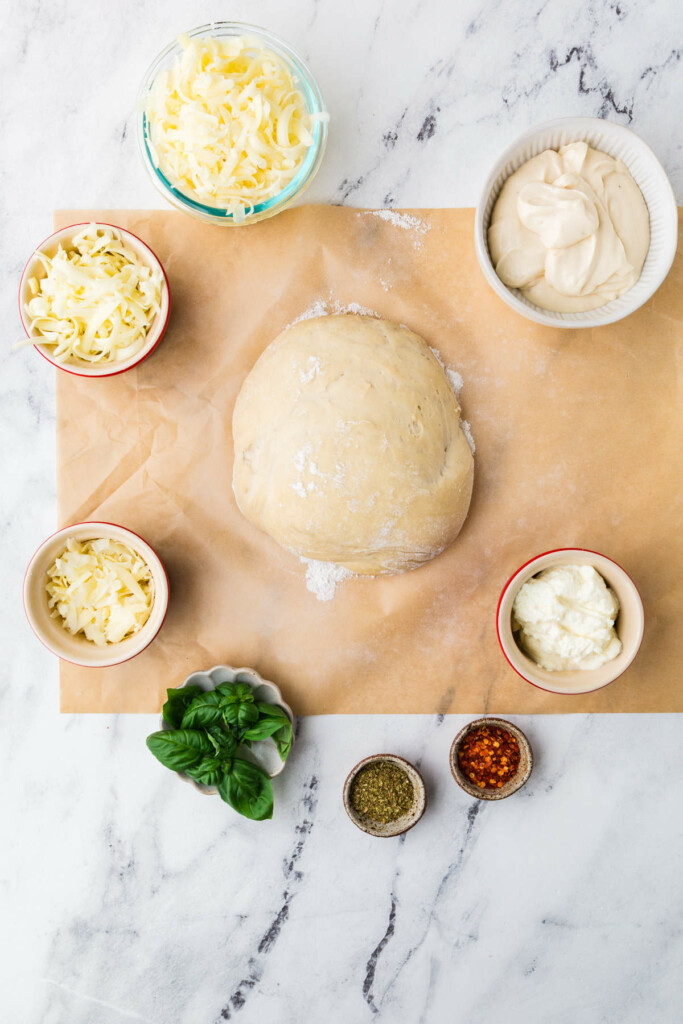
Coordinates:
x,y
578,443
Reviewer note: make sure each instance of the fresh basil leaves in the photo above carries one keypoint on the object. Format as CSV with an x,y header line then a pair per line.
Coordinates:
x,y
248,789
204,711
208,727
180,749
174,708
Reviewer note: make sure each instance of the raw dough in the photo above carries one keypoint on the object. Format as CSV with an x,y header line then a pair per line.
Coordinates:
x,y
348,446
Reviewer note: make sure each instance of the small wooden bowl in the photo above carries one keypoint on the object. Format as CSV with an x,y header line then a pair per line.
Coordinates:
x,y
391,828
526,761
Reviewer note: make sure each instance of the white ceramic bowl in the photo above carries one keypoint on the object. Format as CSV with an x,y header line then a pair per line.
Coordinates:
x,y
264,753
630,623
649,175
79,367
52,633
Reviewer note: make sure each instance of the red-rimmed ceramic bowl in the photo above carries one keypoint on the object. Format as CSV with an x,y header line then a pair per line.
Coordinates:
x,y
79,367
629,625
52,633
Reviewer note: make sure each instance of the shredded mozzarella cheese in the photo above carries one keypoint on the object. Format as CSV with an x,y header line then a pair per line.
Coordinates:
x,y
97,300
101,588
228,125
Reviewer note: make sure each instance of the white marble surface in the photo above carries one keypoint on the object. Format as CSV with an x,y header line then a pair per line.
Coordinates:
x,y
126,896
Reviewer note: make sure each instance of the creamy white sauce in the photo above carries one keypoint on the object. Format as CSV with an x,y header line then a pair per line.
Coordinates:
x,y
564,619
570,229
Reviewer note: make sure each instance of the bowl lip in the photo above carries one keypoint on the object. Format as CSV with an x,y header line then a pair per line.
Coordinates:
x,y
536,558
156,335
295,188
515,783
536,313
420,799
258,680
160,593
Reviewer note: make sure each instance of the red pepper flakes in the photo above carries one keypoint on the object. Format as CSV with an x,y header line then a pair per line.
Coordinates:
x,y
489,756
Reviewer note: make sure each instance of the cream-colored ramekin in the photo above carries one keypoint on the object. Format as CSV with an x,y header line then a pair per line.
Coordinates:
x,y
630,623
80,367
50,631
649,175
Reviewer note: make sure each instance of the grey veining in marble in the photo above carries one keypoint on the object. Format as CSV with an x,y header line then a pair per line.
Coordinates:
x,y
125,896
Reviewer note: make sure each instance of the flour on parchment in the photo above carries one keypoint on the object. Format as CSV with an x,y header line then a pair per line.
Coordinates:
x,y
322,577
405,221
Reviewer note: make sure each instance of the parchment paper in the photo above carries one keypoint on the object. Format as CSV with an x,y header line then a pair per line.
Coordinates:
x,y
578,437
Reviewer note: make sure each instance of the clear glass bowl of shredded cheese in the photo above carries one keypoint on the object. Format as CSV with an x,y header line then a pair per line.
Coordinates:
x,y
231,123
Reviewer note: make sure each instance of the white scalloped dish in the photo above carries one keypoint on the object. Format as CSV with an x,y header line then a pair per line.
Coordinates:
x,y
264,752
622,144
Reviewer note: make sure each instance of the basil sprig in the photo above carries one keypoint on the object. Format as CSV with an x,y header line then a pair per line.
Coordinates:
x,y
207,729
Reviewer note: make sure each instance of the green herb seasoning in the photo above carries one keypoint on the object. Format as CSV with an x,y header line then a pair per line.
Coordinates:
x,y
382,792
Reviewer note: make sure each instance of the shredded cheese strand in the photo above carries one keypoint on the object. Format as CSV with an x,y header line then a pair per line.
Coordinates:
x,y
97,300
228,124
101,588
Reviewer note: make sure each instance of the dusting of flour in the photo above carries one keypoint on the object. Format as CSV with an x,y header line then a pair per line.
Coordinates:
x,y
405,221
456,382
467,431
322,577
332,307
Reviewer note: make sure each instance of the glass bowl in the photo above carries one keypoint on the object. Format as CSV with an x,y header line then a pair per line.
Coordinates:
x,y
314,104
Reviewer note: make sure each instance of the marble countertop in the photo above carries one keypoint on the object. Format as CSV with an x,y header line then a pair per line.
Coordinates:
x,y
127,897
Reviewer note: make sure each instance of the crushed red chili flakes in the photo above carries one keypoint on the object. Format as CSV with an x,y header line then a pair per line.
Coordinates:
x,y
489,756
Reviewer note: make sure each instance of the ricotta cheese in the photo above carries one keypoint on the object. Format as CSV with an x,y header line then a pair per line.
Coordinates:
x,y
564,619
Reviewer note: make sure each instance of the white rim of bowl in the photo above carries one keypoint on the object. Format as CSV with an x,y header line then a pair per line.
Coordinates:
x,y
83,371
506,588
218,214
143,548
620,307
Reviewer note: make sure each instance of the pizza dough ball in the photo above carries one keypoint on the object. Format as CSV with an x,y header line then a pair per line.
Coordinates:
x,y
348,446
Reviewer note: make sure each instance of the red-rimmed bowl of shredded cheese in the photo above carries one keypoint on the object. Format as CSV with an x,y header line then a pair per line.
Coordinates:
x,y
232,126
95,594
94,300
